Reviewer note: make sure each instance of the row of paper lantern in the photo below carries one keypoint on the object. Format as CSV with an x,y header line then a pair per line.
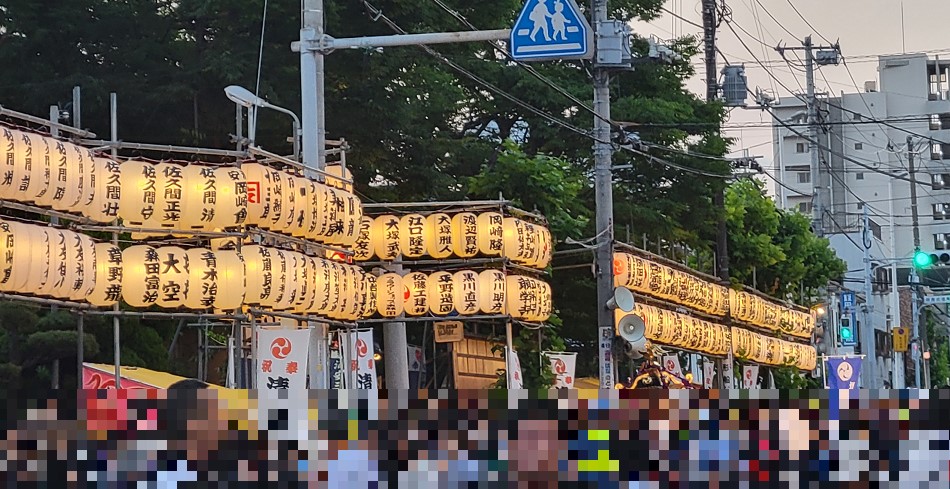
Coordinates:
x,y
462,235
766,350
664,282
66,177
679,330
464,293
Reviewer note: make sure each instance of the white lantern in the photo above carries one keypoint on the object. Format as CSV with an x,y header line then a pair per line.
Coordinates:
x,y
523,297
37,162
31,163
232,280
324,287
12,147
58,273
490,233
321,209
202,278
168,198
304,286
354,215
64,158
173,276
491,292
339,177
231,204
369,301
416,285
259,267
465,235
466,292
285,278
7,246
532,245
359,293
363,249
199,198
108,289
104,206
346,298
82,256
314,207
289,219
141,267
441,293
305,207
336,216
336,290
412,235
439,236
389,295
276,183
546,302
137,202
547,247
258,193
385,235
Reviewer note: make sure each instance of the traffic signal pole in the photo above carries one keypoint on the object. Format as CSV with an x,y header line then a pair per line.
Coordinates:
x,y
914,279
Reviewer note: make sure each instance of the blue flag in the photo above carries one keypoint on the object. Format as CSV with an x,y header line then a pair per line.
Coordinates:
x,y
843,373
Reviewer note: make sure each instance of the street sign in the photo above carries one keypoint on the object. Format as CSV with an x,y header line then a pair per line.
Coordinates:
x,y
847,301
937,299
551,29
901,338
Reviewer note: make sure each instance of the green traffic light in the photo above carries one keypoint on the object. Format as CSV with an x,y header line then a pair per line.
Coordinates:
x,y
922,259
845,334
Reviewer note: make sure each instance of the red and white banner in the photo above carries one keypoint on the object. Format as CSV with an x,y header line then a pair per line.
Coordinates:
x,y
671,363
563,365
709,373
282,359
750,376
361,359
515,377
93,378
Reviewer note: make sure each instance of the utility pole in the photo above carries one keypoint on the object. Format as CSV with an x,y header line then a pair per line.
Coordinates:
x,y
868,343
816,208
914,279
712,93
603,190
312,91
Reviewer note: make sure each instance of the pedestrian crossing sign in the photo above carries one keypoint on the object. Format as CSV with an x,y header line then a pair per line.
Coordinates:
x,y
551,29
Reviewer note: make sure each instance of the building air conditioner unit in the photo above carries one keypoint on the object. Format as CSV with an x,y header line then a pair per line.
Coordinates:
x,y
870,86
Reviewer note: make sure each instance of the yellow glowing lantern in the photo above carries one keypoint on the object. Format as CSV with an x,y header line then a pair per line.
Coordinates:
x,y
389,295
416,285
285,279
339,177
202,278
322,202
137,202
299,272
108,283
305,286
363,250
232,280
465,290
351,225
44,258
313,268
532,245
13,148
104,206
168,197
547,247
441,293
358,293
336,216
385,236
141,268
439,236
198,198
173,276
231,198
36,160
621,269
315,202
61,271
412,235
305,206
323,280
83,254
522,296
465,235
547,302
258,193
69,180
491,234
343,296
369,302
491,292
260,278
7,242
276,183
515,240
289,219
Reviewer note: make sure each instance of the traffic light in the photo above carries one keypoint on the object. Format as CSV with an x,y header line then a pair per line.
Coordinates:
x,y
922,259
846,332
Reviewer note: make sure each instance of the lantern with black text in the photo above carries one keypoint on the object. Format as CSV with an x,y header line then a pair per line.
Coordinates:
x,y
547,247
69,162
355,308
231,198
531,254
324,283
351,223
439,236
168,197
202,278
137,201
260,274
339,177
283,280
232,280
36,160
441,290
83,263
363,250
336,216
276,181
108,289
141,284
305,205
490,233
305,284
343,294
465,289
198,198
173,276
11,172
465,235
288,224
412,235
389,295
45,258
547,302
368,304
416,286
7,245
522,293
491,291
385,233
258,193
514,239
104,206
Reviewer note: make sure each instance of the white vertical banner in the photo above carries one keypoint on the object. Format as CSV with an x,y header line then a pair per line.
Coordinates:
x,y
750,376
563,365
515,378
672,365
417,366
337,362
728,376
362,359
319,360
282,359
709,372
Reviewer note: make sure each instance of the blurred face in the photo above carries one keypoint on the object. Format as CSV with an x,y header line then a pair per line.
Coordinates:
x,y
206,426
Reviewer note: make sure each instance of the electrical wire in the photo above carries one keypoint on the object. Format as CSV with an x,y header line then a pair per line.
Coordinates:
x,y
807,23
260,55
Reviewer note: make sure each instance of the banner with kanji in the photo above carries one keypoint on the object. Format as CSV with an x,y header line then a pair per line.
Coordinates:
x,y
672,365
709,373
750,376
282,359
515,378
843,373
361,359
318,358
417,367
563,365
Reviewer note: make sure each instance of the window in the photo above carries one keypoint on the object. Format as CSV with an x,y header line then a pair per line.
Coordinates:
x,y
804,177
939,181
942,241
804,207
860,206
941,211
935,124
859,175
799,147
859,146
936,151
857,117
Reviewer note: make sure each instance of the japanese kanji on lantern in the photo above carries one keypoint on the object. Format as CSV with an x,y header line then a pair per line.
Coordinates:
x,y
258,193
231,198
173,276
104,205
417,298
412,235
363,249
439,236
490,233
441,289
389,295
491,291
141,281
83,261
465,290
202,285
137,201
465,235
108,283
260,278
385,232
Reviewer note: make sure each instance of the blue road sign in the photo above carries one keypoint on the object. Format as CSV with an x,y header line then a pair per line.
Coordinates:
x,y
847,301
551,29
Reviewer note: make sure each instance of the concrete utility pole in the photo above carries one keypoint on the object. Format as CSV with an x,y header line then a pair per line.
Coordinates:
x,y
603,189
914,278
312,91
868,341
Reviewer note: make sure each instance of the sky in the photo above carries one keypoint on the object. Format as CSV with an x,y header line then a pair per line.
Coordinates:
x,y
864,28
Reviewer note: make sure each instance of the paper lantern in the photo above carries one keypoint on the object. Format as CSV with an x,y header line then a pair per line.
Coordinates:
x,y
297,269
231,198
385,237
465,289
7,246
412,235
284,280
362,249
324,284
547,247
173,276
439,236
313,269
491,292
104,206
305,284
258,193
621,269
168,197
358,293
52,279
441,293
305,206
289,220
389,295
36,161
108,284
202,278
335,208
344,297
11,173
141,267
232,280
354,215
490,233
532,245
465,235
260,274
317,220
514,239
83,254
137,201
322,201
369,302
339,177
276,180
522,297
416,285
199,198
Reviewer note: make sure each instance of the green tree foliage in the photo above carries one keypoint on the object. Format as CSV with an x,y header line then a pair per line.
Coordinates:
x,y
939,355
792,378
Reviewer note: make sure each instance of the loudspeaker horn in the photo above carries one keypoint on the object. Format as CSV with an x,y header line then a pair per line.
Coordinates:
x,y
633,330
622,299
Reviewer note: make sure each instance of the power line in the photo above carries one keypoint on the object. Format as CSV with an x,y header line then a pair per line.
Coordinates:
x,y
807,23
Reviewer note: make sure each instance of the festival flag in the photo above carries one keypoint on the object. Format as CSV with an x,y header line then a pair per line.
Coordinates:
x,y
515,378
361,359
417,367
843,373
750,376
709,372
282,359
672,365
563,365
